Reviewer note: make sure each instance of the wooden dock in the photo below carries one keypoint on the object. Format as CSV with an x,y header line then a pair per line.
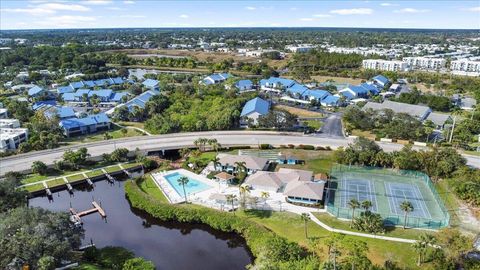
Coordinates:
x,y
109,177
77,216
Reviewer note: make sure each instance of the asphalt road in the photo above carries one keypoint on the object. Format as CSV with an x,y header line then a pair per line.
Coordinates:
x,y
332,127
23,162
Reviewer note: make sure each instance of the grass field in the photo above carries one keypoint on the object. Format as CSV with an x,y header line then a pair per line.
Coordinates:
x,y
314,124
299,112
115,133
290,226
345,225
148,186
35,187
132,124
316,161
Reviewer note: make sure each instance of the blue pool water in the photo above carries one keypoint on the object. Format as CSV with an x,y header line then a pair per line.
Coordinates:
x,y
193,185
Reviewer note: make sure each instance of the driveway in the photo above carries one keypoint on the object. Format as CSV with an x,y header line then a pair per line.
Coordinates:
x,y
332,127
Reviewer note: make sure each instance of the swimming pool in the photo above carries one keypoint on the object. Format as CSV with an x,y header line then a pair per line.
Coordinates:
x,y
193,185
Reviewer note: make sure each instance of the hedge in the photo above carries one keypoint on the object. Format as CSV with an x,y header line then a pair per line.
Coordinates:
x,y
263,243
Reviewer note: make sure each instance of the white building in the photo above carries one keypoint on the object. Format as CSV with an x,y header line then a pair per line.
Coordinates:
x,y
299,48
387,65
427,63
3,113
11,138
465,67
9,123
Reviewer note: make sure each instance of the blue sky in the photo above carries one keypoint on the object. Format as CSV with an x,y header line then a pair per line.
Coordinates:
x,y
38,14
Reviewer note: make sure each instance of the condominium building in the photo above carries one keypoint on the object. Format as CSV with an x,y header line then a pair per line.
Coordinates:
x,y
11,138
387,65
9,123
426,63
465,65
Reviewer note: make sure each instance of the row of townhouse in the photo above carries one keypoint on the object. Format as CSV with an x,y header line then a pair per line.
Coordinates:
x,y
85,95
460,67
11,135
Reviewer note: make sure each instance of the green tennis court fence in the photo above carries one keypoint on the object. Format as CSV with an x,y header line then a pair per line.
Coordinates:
x,y
389,175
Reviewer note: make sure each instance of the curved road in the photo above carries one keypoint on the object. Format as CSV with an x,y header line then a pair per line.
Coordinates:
x,y
23,162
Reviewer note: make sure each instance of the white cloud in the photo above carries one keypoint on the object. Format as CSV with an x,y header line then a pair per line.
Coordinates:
x,y
129,2
352,11
474,9
97,2
411,10
388,4
32,11
307,19
251,8
60,6
66,21
322,15
184,16
115,8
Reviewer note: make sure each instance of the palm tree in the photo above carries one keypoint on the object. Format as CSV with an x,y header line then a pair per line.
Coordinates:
x,y
183,181
354,204
305,217
241,166
367,205
264,195
243,189
406,207
418,247
184,152
231,199
216,162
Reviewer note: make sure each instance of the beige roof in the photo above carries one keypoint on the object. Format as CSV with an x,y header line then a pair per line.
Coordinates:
x,y
302,189
265,179
224,176
303,175
398,107
278,179
255,163
320,176
438,118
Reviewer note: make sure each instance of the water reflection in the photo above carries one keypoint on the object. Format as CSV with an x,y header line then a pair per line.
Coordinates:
x,y
170,245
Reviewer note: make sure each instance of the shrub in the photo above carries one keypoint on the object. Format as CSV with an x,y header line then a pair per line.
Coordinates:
x,y
291,146
264,146
306,147
114,257
320,148
138,264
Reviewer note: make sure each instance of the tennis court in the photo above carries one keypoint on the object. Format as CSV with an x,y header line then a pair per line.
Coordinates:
x,y
361,190
387,189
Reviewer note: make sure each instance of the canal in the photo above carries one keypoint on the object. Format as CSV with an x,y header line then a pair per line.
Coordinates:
x,y
170,245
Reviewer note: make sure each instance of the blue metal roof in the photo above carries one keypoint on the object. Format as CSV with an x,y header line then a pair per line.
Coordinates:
x,y
141,99
274,81
317,94
358,90
35,90
86,121
347,94
101,82
117,97
89,84
65,89
68,97
244,84
62,112
117,80
370,88
381,79
42,104
76,85
81,92
256,105
104,93
297,89
331,100
150,83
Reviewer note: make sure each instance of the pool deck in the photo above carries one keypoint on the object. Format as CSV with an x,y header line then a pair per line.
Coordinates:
x,y
275,201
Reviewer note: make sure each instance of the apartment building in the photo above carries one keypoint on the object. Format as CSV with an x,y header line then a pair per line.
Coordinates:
x,y
426,63
386,65
465,65
11,138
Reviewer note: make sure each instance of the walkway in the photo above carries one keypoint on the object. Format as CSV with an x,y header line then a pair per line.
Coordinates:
x,y
136,128
387,238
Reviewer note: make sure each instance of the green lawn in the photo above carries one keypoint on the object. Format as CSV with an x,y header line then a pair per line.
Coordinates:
x,y
132,124
114,133
314,124
76,177
449,199
290,226
94,173
130,165
35,187
34,177
345,225
56,182
148,186
115,168
316,161
88,266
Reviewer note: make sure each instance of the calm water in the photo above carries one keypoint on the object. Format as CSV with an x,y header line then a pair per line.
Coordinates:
x,y
169,245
